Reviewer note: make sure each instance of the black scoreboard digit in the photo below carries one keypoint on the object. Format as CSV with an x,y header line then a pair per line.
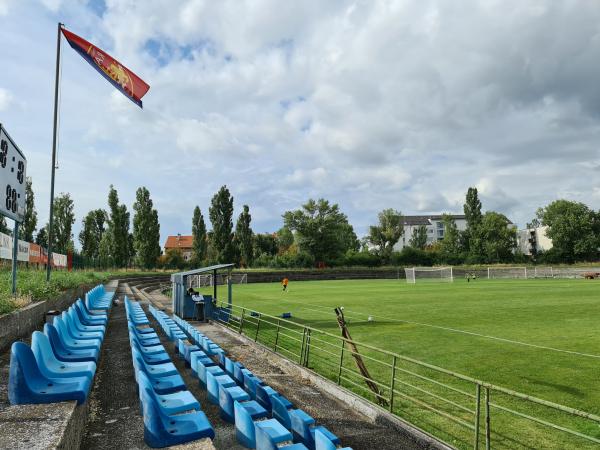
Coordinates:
x,y
13,166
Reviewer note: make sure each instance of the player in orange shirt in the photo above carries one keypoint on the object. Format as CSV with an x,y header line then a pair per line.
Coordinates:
x,y
285,282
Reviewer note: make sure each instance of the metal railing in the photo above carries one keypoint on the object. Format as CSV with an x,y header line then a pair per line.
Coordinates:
x,y
461,411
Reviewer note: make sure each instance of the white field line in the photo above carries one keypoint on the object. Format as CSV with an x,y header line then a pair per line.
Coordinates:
x,y
455,330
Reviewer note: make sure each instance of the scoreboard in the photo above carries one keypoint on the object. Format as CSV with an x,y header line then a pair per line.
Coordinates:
x,y
13,166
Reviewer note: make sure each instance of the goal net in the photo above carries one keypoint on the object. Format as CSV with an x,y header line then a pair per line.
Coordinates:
x,y
506,272
204,280
419,274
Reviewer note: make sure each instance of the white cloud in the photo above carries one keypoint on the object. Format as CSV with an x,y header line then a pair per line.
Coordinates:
x,y
368,104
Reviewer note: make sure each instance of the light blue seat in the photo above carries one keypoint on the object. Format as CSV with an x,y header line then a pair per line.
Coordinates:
x,y
148,350
212,386
27,384
229,367
200,356
323,443
86,318
229,395
304,429
151,358
72,341
266,441
76,332
264,394
98,314
52,367
66,353
160,384
245,428
251,383
174,403
155,370
72,313
239,371
161,430
204,369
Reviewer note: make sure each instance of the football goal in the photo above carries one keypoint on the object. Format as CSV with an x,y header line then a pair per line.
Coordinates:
x,y
221,279
419,274
506,272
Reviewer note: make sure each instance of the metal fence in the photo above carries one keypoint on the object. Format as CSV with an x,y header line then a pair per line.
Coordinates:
x,y
458,410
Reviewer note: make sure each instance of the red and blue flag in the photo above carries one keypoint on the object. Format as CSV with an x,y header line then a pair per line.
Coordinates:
x,y
132,86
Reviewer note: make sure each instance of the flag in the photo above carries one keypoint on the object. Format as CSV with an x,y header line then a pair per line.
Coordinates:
x,y
132,86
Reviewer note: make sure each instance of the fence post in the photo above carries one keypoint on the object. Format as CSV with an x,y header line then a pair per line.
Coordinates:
x,y
392,383
307,348
302,346
341,361
257,327
487,418
477,414
241,321
277,335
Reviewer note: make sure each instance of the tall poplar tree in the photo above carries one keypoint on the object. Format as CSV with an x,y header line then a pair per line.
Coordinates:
x,y
146,230
221,213
64,218
243,237
199,244
118,229
27,227
91,233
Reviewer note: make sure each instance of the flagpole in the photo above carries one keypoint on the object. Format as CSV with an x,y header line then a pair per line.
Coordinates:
x,y
54,133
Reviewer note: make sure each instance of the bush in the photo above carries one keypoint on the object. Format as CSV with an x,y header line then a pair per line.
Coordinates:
x,y
364,259
410,256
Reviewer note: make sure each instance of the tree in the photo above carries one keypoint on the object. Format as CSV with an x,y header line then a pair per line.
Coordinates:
x,y
387,233
118,229
243,236
27,227
419,237
3,227
472,210
42,237
498,239
91,233
321,229
146,230
285,239
264,244
64,218
221,213
349,239
573,228
450,245
200,244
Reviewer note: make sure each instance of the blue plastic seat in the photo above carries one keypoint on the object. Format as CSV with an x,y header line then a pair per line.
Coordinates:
x,y
76,332
204,369
197,357
27,384
238,372
66,353
160,384
265,441
151,358
94,313
304,429
86,318
322,442
72,341
229,367
245,428
161,430
72,313
52,367
264,394
155,370
251,383
174,403
212,386
229,395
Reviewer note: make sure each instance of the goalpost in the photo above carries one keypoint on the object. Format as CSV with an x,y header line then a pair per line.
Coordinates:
x,y
206,280
429,274
506,272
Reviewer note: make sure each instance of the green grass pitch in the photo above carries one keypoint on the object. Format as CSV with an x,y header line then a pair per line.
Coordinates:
x,y
538,337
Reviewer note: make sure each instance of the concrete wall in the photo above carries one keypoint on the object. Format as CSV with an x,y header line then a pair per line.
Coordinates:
x,y
20,323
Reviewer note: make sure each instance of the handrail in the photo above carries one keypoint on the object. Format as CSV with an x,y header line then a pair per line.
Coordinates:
x,y
304,342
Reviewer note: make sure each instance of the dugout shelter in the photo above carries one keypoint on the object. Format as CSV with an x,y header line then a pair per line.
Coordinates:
x,y
184,305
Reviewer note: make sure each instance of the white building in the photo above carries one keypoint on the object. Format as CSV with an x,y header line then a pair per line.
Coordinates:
x,y
531,241
434,225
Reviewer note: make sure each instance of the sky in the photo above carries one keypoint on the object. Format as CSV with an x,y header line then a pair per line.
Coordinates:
x,y
370,104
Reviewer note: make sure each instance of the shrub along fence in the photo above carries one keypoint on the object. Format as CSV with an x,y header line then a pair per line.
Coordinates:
x,y
459,410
